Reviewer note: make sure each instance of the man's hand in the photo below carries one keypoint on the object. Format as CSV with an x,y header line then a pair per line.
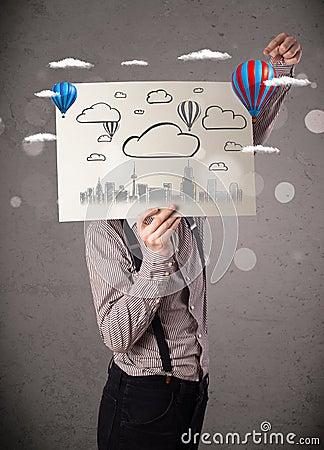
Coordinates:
x,y
156,235
284,47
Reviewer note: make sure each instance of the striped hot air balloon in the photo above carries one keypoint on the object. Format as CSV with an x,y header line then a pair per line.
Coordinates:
x,y
111,127
189,111
67,94
247,83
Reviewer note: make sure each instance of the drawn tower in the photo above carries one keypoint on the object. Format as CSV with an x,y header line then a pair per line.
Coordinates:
x,y
133,197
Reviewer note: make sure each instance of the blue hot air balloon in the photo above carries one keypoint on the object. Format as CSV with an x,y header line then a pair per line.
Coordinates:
x,y
67,94
247,83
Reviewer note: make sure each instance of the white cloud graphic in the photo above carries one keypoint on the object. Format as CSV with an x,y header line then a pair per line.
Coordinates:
x,y
260,149
218,166
99,112
159,96
232,146
119,94
46,94
198,90
139,111
217,118
96,157
70,62
205,54
162,140
135,62
283,81
104,138
40,137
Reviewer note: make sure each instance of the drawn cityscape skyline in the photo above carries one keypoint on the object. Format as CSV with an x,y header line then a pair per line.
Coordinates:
x,y
165,194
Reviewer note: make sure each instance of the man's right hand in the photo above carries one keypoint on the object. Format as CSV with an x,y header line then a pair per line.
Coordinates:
x,y
157,234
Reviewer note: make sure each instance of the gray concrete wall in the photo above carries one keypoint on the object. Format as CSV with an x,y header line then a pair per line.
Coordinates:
x,y
266,324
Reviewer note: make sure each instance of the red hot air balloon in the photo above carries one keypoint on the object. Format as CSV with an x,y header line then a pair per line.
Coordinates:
x,y
248,84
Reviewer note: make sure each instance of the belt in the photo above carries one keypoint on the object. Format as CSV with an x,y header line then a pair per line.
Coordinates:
x,y
118,377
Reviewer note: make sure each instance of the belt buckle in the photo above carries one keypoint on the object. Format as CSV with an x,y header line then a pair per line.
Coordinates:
x,y
168,377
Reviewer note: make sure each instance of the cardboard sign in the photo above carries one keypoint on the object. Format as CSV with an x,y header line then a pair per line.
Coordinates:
x,y
125,147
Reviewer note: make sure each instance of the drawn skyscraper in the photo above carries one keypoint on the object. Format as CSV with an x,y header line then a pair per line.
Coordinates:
x,y
188,186
142,190
122,194
168,192
109,191
99,192
211,189
233,191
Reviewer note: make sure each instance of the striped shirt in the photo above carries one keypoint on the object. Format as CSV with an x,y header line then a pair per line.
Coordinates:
x,y
126,301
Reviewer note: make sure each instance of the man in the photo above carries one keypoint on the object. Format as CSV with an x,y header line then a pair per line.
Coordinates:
x,y
157,389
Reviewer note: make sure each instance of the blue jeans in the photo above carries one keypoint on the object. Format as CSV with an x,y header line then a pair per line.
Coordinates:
x,y
146,413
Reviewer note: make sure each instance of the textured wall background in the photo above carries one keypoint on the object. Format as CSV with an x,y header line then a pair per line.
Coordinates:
x,y
266,324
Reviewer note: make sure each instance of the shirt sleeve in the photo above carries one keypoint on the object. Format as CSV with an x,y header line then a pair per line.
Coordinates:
x,y
270,110
125,302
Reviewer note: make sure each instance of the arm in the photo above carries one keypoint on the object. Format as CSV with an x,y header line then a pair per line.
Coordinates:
x,y
125,302
285,52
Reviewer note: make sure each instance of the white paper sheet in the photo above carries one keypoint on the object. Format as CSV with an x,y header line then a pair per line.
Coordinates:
x,y
124,147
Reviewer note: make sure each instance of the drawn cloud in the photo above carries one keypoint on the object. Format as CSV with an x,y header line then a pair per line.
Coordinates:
x,y
230,146
70,62
260,149
46,93
96,157
159,96
162,140
98,113
217,118
283,81
139,111
198,90
40,137
204,54
218,166
104,138
135,62
119,94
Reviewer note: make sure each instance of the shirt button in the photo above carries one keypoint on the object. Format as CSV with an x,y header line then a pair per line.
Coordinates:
x,y
187,278
199,335
170,264
166,273
192,307
157,300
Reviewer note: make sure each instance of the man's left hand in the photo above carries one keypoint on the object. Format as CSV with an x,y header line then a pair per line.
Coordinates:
x,y
284,47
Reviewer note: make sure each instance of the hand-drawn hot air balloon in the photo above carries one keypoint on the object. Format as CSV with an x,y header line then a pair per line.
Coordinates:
x,y
66,96
111,127
247,83
189,111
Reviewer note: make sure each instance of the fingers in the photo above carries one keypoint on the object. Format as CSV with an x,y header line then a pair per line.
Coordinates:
x,y
289,49
158,220
165,238
272,48
147,213
175,223
295,59
284,47
169,224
